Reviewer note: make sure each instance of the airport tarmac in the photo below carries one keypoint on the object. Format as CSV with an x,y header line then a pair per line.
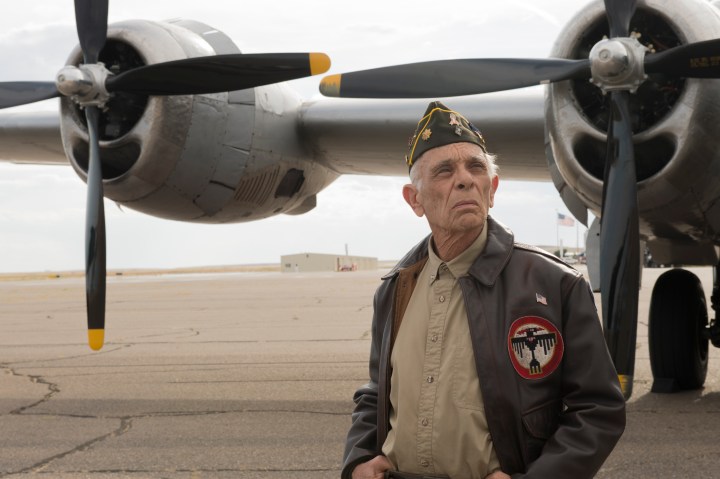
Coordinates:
x,y
246,375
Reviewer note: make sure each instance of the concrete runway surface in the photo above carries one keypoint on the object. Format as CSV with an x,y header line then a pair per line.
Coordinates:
x,y
245,375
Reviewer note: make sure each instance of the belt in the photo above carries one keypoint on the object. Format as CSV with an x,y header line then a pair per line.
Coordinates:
x,y
408,475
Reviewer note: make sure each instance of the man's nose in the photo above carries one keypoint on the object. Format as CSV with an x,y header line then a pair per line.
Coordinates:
x,y
464,179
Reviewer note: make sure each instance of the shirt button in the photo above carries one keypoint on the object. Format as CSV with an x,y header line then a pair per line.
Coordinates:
x,y
425,422
430,379
442,298
424,463
434,338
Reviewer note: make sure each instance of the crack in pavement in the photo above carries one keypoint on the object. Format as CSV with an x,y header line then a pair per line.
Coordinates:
x,y
213,341
177,334
191,471
120,342
53,388
161,414
63,358
126,422
229,363
125,426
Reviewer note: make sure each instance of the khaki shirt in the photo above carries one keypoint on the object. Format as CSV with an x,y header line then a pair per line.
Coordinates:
x,y
437,418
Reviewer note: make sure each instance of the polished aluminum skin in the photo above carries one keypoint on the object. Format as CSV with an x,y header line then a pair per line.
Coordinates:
x,y
212,158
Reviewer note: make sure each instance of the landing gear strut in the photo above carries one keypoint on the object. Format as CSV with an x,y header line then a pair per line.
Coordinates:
x,y
678,331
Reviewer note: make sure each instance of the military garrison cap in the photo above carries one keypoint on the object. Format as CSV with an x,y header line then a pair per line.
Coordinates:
x,y
441,126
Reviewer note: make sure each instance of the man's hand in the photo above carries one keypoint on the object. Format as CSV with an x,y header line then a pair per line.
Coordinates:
x,y
495,475
373,469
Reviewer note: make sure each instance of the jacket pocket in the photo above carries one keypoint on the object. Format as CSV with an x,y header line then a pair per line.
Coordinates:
x,y
540,424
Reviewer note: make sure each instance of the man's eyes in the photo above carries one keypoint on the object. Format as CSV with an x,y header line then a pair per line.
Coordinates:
x,y
447,169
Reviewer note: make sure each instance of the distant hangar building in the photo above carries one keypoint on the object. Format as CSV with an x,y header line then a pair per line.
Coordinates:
x,y
308,262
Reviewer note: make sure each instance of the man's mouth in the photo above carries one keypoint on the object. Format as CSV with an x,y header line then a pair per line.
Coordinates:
x,y
462,204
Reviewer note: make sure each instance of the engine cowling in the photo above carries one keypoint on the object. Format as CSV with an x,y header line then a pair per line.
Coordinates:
x,y
674,125
214,158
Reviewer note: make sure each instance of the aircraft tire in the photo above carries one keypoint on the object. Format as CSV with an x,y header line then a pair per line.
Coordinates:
x,y
678,317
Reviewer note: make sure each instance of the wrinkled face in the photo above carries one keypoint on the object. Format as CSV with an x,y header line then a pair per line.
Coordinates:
x,y
454,188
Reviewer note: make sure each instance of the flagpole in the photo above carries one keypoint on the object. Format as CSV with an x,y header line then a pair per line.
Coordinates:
x,y
557,233
577,237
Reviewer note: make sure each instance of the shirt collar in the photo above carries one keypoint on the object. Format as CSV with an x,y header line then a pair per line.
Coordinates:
x,y
460,265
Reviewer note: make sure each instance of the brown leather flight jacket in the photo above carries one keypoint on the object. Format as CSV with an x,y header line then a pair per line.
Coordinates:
x,y
563,425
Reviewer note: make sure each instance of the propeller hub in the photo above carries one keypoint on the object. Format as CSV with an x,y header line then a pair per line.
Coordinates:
x,y
85,85
617,64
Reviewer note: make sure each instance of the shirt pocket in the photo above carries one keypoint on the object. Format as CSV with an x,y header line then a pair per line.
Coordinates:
x,y
465,383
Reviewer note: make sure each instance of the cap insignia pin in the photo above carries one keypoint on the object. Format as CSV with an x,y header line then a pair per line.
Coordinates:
x,y
454,119
458,131
477,132
426,134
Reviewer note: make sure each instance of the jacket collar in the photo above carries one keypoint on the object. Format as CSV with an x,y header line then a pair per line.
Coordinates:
x,y
498,249
486,268
414,256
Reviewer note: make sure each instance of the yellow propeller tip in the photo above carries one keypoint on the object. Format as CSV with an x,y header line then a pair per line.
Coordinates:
x,y
626,385
330,85
319,63
96,339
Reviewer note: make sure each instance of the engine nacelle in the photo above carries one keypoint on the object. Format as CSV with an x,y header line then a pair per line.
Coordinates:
x,y
674,125
215,158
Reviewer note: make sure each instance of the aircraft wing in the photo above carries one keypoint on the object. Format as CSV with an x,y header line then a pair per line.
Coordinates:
x,y
348,136
31,137
370,136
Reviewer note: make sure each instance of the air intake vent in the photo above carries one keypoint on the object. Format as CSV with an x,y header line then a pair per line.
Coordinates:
x,y
650,156
116,161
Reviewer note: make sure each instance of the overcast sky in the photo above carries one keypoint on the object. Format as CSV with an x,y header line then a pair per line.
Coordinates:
x,y
42,208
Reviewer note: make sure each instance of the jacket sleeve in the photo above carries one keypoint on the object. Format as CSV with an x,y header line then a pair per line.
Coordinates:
x,y
593,415
361,444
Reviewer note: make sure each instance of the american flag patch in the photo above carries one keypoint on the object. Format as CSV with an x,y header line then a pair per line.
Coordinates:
x,y
540,299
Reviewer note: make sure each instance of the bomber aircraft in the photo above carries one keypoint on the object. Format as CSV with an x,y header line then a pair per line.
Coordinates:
x,y
169,119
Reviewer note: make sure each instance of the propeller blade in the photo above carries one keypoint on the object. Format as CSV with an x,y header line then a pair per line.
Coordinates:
x,y
218,73
91,19
444,78
95,238
695,60
23,92
619,13
620,244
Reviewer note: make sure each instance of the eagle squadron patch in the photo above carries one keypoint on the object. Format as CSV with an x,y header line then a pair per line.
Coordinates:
x,y
535,347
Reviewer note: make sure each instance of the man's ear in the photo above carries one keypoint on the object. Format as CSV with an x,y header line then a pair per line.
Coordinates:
x,y
493,188
410,193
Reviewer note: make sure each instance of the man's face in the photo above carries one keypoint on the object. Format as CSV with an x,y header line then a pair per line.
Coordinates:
x,y
453,189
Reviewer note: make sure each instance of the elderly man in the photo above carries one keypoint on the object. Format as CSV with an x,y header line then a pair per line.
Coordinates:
x,y
487,357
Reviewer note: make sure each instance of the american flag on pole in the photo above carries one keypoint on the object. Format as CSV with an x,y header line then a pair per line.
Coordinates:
x,y
563,220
